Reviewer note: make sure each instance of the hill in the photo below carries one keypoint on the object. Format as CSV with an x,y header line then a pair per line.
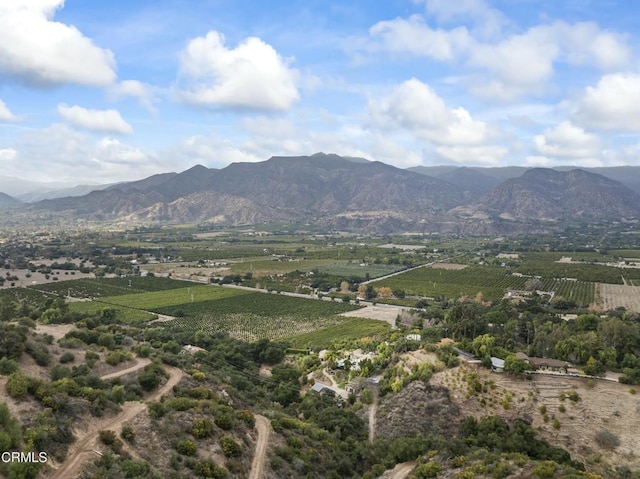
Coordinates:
x,y
546,194
330,192
6,200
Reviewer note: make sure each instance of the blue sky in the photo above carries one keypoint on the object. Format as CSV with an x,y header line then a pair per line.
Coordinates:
x,y
102,91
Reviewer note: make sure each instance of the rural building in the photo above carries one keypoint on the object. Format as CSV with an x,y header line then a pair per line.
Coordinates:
x,y
544,363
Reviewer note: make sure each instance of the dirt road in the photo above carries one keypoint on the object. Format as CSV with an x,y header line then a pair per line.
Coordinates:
x,y
87,443
263,425
372,417
140,363
401,471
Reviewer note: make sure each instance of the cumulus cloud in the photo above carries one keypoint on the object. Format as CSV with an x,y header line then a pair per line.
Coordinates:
x,y
415,36
144,92
5,113
613,104
568,141
7,154
40,51
105,121
253,75
414,107
488,21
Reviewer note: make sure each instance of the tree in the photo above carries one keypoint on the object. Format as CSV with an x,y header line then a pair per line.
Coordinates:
x,y
594,367
515,365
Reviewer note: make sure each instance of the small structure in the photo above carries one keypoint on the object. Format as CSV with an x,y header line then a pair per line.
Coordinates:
x,y
322,389
545,363
189,349
497,364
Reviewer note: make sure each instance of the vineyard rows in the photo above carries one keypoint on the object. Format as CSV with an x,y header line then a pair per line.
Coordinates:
x,y
101,287
156,300
251,326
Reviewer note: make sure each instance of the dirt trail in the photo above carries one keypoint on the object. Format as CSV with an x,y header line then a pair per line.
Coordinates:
x,y
88,440
372,417
400,471
140,363
263,425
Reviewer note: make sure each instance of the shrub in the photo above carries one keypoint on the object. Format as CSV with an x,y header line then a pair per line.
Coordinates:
x,y
201,428
17,385
107,437
127,433
607,440
186,447
67,357
428,470
8,366
230,448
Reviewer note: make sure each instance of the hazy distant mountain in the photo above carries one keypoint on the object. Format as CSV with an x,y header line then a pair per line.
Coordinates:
x,y
32,191
546,194
334,192
6,200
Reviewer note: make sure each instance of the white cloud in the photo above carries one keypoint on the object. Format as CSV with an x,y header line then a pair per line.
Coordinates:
x,y
488,21
614,104
106,121
568,141
485,155
414,36
40,51
416,107
133,88
253,75
7,154
5,113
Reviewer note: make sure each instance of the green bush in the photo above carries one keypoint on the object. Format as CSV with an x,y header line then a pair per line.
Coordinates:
x,y
67,357
186,447
230,448
201,428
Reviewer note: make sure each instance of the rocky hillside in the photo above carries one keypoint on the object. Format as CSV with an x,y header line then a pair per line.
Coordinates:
x,y
546,194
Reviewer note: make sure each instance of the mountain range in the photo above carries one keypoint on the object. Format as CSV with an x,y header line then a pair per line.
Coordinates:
x,y
336,192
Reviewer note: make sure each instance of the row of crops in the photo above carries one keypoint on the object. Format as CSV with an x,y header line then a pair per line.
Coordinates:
x,y
430,282
101,287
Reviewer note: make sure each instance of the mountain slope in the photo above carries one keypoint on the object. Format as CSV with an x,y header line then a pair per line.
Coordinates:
x,y
6,200
546,194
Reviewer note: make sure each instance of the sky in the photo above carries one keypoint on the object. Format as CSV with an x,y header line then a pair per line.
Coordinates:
x,y
104,91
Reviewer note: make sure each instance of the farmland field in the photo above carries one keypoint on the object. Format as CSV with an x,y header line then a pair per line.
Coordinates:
x,y
157,300
582,292
492,282
260,316
96,288
581,272
346,330
613,296
258,303
127,315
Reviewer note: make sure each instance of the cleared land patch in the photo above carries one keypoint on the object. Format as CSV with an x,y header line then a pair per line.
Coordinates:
x,y
613,296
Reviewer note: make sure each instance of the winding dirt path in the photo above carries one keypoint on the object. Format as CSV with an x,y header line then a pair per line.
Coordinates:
x,y
263,425
140,363
88,440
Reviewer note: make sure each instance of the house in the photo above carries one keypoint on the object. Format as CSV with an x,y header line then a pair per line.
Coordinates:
x,y
497,365
322,389
189,349
544,363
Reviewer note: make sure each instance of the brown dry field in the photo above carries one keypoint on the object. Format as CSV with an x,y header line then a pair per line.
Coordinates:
x,y
386,313
615,295
603,405
448,266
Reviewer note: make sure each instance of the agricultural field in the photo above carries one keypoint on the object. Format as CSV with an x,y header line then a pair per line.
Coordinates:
x,y
258,304
582,292
349,269
101,287
260,316
581,272
157,300
123,314
613,296
347,330
430,282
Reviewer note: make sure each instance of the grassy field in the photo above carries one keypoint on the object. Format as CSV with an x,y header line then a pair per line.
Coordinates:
x,y
581,272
